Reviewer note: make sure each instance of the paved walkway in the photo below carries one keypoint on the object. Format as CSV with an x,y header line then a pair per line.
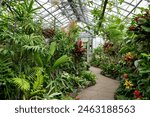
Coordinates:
x,y
104,88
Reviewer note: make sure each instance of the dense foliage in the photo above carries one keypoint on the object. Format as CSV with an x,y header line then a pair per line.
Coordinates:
x,y
30,66
125,55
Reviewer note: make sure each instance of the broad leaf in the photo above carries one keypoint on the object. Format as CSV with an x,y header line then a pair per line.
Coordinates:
x,y
60,61
38,59
51,50
147,29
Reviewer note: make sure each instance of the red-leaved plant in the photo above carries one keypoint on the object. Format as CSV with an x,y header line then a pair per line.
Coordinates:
x,y
137,94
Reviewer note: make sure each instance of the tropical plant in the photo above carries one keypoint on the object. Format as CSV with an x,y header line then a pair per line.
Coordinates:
x,y
27,61
65,84
137,58
140,27
89,76
6,76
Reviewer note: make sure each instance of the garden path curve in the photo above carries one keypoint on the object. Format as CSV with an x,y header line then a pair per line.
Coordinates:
x,y
104,88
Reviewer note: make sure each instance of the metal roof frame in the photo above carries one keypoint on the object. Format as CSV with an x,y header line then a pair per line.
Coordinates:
x,y
81,13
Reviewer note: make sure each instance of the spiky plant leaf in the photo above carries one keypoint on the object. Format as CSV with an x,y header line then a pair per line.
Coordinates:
x,y
30,6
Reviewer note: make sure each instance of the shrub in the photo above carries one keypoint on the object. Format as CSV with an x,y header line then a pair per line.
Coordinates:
x,y
89,77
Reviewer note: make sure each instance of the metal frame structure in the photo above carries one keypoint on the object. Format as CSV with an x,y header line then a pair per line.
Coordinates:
x,y
80,10
77,10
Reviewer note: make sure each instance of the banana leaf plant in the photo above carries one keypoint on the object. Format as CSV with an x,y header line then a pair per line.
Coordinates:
x,y
47,61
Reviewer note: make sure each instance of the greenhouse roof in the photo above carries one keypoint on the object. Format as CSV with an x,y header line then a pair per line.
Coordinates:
x,y
61,12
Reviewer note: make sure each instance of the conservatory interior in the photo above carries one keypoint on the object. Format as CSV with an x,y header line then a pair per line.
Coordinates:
x,y
75,49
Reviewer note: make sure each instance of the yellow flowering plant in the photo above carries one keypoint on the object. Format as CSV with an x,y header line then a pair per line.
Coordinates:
x,y
128,84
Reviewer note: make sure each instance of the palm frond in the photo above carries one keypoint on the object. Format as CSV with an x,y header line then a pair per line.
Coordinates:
x,y
36,48
22,84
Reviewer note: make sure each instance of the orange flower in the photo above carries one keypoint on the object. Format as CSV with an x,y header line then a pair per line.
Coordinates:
x,y
129,57
125,76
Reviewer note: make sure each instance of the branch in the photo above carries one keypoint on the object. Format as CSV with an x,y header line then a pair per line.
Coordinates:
x,y
103,13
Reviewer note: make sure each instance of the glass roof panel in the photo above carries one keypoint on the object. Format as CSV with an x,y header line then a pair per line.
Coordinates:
x,y
80,10
43,1
49,19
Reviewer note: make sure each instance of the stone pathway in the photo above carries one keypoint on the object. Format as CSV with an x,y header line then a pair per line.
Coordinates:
x,y
104,88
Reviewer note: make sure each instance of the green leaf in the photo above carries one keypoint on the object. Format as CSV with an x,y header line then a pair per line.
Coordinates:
x,y
54,94
37,85
37,92
51,50
33,48
145,55
38,59
118,20
121,27
22,84
121,1
51,96
60,61
30,5
5,52
144,70
147,29
33,10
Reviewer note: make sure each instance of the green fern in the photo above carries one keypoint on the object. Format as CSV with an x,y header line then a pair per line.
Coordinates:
x,y
22,84
5,71
37,85
6,74
36,48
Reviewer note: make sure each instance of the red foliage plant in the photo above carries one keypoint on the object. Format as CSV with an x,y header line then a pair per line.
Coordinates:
x,y
79,47
132,28
137,94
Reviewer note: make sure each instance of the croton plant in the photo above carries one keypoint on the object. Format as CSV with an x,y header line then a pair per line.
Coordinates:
x,y
140,26
79,49
136,83
141,22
